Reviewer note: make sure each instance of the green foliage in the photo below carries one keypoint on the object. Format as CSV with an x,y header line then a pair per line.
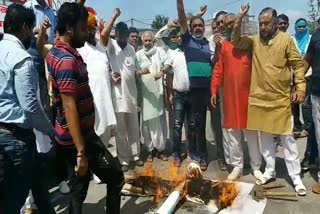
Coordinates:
x,y
159,21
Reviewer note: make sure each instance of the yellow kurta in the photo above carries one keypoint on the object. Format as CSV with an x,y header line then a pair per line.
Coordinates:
x,y
269,107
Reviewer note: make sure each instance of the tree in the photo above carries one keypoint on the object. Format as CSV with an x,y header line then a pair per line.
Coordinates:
x,y
159,21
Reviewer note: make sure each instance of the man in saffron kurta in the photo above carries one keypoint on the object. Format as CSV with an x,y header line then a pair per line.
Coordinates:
x,y
269,111
233,72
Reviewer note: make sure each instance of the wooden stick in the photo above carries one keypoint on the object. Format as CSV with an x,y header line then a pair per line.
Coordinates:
x,y
273,186
286,194
282,198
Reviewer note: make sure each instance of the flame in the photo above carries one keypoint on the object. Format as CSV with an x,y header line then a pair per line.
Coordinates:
x,y
228,192
147,171
159,193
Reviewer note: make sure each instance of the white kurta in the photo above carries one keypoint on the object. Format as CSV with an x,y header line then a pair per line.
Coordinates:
x,y
152,106
122,61
100,85
124,95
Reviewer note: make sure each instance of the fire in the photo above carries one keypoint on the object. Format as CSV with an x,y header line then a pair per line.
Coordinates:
x,y
228,192
174,177
159,194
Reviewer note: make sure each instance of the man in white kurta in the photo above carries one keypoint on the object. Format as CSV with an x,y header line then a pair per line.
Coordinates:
x,y
124,91
149,64
100,85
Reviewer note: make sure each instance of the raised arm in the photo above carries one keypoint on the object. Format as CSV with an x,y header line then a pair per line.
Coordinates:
x,y
41,40
105,34
182,17
241,42
165,31
202,11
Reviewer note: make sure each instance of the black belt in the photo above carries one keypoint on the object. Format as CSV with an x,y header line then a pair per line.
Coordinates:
x,y
8,126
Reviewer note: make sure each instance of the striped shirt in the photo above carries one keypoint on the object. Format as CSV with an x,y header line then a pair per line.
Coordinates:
x,y
68,74
198,57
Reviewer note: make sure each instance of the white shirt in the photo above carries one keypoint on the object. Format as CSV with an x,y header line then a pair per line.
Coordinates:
x,y
100,86
179,68
122,61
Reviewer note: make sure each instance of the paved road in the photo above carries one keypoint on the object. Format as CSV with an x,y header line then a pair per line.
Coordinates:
x,y
94,203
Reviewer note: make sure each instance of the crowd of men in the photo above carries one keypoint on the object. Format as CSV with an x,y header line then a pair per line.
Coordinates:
x,y
67,82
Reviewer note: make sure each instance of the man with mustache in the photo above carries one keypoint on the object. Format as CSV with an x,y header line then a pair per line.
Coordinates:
x,y
199,65
233,72
269,111
20,110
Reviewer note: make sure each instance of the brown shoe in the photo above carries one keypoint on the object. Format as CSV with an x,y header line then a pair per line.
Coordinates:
x,y
316,188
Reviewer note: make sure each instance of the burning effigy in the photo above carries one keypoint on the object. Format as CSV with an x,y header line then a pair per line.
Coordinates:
x,y
180,187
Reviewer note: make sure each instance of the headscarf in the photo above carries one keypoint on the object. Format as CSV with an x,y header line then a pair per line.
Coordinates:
x,y
302,36
92,23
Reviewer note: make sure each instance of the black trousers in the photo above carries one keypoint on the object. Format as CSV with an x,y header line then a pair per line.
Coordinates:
x,y
40,185
102,164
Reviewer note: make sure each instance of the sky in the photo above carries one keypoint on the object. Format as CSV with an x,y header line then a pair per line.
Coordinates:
x,y
145,10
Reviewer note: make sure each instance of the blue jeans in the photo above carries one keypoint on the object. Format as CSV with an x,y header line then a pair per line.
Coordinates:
x,y
312,147
182,108
17,151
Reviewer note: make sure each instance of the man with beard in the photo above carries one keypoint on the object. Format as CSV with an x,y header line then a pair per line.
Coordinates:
x,y
124,91
199,65
269,111
76,140
20,110
233,72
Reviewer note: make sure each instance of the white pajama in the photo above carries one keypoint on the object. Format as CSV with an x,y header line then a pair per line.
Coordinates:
x,y
235,148
154,133
225,133
291,156
127,137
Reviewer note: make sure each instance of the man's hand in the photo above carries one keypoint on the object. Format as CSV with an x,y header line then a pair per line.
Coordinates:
x,y
214,100
117,12
173,24
81,2
170,100
143,72
244,9
101,24
158,75
217,38
202,11
45,25
82,165
116,78
298,97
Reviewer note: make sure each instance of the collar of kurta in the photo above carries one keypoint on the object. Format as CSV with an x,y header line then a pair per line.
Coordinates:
x,y
270,41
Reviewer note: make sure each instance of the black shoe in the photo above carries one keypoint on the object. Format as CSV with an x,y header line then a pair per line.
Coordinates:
x,y
305,164
203,165
125,168
222,165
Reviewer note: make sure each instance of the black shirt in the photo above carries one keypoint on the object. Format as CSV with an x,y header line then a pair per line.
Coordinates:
x,y
314,52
